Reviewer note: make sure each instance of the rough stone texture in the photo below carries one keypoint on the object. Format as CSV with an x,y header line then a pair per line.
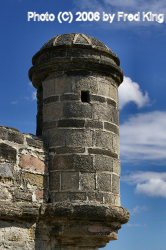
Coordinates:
x,y
61,190
70,181
23,167
7,153
26,226
28,161
6,170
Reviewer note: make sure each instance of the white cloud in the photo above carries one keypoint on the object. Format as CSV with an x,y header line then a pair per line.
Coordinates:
x,y
148,183
143,137
34,95
154,187
130,92
138,209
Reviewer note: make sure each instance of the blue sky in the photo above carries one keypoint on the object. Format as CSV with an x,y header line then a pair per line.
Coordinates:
x,y
141,47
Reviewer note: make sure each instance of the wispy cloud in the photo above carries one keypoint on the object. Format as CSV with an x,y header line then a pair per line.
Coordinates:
x,y
34,95
152,184
123,5
126,6
130,91
135,225
138,5
30,84
137,210
14,102
143,137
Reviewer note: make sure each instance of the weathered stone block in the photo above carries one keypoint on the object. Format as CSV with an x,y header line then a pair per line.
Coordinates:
x,y
69,150
20,195
116,166
85,83
88,181
70,181
30,162
114,92
94,124
34,143
77,196
49,125
55,180
6,170
115,184
113,115
59,197
56,137
63,85
77,109
83,162
62,162
111,127
48,88
36,179
95,196
97,98
109,198
8,153
103,88
50,99
111,102
3,133
99,151
103,139
70,97
74,123
79,138
103,163
72,162
103,182
100,112
52,111
15,137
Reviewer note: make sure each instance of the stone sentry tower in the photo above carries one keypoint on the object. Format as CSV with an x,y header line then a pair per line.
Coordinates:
x,y
77,79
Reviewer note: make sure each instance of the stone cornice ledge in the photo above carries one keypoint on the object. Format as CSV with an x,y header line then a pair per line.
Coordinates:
x,y
64,210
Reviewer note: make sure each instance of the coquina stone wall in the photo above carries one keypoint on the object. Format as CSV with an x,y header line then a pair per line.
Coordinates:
x,y
23,167
60,189
83,137
23,186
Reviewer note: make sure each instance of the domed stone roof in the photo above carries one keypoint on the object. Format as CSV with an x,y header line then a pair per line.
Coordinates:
x,y
73,52
76,39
